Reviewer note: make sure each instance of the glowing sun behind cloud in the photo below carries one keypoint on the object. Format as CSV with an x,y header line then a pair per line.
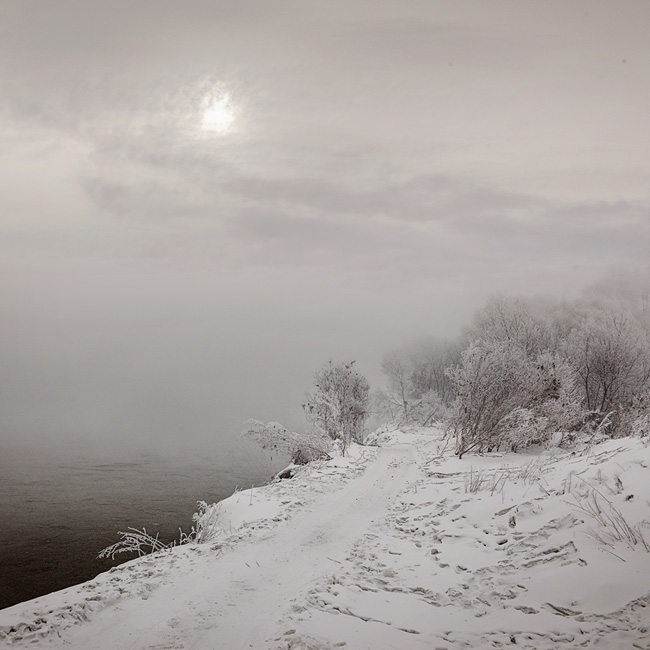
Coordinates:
x,y
219,114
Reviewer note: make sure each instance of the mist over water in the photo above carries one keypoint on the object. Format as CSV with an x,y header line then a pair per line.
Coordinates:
x,y
62,504
203,202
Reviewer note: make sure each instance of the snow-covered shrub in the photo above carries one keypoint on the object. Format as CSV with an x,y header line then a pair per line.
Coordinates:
x,y
633,418
521,428
339,405
301,447
492,379
641,426
556,399
135,541
507,398
381,436
206,522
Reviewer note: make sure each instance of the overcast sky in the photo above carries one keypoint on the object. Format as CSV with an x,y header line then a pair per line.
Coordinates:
x,y
202,201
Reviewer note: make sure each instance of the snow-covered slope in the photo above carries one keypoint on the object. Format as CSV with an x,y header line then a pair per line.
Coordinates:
x,y
399,546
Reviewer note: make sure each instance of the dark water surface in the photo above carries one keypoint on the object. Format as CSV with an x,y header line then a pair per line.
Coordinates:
x,y
60,506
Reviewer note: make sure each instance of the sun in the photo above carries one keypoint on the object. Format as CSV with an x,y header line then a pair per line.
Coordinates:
x,y
219,114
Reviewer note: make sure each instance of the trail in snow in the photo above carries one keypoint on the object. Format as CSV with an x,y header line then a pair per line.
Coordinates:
x,y
401,547
238,600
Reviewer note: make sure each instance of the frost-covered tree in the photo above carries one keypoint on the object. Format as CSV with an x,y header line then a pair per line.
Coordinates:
x,y
550,406
556,396
339,404
611,354
506,398
430,360
417,390
492,379
511,319
337,410
396,401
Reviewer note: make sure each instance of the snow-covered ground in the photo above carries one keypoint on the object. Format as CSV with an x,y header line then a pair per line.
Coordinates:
x,y
397,546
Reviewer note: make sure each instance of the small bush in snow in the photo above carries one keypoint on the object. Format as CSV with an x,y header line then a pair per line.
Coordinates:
x,y
206,522
505,398
141,542
641,426
492,379
301,447
135,541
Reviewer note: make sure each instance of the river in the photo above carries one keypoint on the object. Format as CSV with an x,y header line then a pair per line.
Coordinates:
x,y
60,505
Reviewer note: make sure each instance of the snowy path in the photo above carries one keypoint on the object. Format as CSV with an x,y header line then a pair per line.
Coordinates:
x,y
238,600
401,547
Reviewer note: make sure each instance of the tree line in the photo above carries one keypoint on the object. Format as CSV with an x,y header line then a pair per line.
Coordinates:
x,y
522,372
526,370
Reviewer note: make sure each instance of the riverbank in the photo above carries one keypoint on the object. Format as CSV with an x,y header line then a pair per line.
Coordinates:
x,y
396,546
61,504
